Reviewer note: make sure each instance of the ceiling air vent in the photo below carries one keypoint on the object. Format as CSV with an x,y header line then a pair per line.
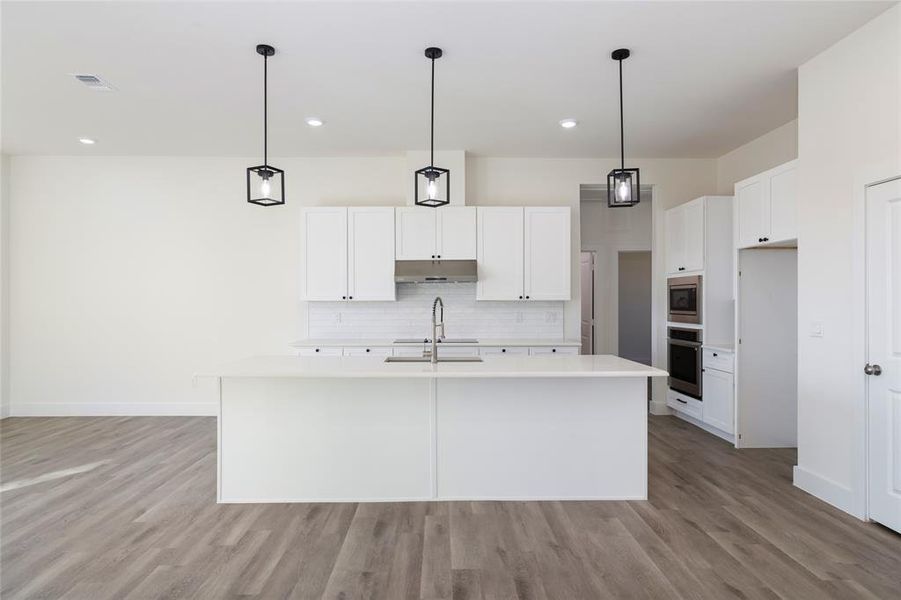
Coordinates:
x,y
94,82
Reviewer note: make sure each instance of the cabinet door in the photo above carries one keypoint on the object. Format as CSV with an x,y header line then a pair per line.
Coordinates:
x,y
456,227
500,253
325,253
693,235
753,212
783,203
718,407
370,264
415,235
674,232
548,253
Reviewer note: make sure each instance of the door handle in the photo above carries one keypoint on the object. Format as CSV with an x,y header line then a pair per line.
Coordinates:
x,y
872,370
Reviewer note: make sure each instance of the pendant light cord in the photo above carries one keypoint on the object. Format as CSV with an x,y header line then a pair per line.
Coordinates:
x,y
432,137
622,135
265,110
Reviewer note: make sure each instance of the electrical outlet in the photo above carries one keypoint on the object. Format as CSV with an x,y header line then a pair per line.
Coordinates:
x,y
816,329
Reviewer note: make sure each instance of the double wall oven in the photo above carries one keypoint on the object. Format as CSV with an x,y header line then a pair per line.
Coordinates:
x,y
684,354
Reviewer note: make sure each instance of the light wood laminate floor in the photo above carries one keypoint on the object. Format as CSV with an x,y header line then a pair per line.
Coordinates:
x,y
141,521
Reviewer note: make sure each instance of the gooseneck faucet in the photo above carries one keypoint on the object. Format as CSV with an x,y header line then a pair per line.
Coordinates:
x,y
436,327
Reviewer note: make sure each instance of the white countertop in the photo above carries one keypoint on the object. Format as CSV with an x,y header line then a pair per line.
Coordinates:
x,y
353,343
605,365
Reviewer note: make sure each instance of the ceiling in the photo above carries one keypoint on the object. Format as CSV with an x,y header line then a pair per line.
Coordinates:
x,y
703,78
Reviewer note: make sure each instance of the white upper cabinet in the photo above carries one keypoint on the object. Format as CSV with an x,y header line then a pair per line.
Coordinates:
x,y
524,253
325,253
767,207
547,253
456,227
370,253
348,253
447,232
684,231
500,253
783,203
416,233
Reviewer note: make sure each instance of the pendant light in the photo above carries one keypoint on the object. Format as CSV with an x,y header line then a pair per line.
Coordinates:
x,y
265,183
431,184
623,185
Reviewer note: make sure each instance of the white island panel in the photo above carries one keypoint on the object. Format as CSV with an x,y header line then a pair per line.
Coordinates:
x,y
324,440
542,439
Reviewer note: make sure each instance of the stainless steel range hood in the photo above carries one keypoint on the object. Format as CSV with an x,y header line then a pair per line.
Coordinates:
x,y
435,271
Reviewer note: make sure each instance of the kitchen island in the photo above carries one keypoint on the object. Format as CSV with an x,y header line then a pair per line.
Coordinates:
x,y
356,429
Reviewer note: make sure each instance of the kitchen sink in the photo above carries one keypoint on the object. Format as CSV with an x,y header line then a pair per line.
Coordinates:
x,y
425,359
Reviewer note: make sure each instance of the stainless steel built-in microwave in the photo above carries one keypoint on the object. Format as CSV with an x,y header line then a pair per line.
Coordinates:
x,y
684,299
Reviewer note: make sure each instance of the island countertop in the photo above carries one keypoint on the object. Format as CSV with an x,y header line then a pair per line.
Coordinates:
x,y
595,366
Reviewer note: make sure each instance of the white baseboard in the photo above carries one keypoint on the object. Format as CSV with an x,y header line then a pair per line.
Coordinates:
x,y
659,408
825,489
146,409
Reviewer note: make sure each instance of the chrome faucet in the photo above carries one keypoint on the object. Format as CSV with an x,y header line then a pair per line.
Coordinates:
x,y
436,327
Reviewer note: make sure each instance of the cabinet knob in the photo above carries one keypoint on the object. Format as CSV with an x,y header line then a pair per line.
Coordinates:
x,y
433,256
503,349
344,297
350,297
553,349
527,297
715,354
439,256
520,297
367,349
759,239
766,239
317,349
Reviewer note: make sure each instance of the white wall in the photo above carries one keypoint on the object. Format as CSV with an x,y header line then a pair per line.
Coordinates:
x,y
849,134
635,306
609,231
769,150
130,274
4,286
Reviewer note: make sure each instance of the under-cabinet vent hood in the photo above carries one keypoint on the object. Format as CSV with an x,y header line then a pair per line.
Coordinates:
x,y
435,271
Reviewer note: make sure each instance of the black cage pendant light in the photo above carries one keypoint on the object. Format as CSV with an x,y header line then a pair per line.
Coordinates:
x,y
265,183
431,184
623,185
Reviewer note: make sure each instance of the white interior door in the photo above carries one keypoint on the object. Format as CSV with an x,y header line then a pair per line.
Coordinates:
x,y
586,276
370,266
456,227
415,236
884,352
500,253
325,253
547,253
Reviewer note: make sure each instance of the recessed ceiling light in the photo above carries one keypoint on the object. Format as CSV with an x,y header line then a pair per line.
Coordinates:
x,y
568,123
87,141
314,122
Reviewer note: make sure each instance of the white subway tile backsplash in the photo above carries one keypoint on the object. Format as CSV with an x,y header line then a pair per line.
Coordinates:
x,y
411,316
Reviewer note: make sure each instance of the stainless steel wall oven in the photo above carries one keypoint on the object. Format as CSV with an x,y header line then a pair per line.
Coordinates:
x,y
684,360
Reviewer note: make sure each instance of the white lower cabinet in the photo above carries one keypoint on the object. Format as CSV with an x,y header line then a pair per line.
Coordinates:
x,y
369,351
553,350
501,351
320,351
719,400
684,404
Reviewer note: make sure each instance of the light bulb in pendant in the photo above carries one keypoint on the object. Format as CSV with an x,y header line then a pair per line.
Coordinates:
x,y
433,189
265,188
623,190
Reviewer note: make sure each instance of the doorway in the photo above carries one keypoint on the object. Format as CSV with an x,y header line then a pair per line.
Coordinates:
x,y
634,306
586,275
883,347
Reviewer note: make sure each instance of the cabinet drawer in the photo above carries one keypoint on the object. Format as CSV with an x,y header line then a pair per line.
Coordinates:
x,y
371,351
447,350
684,404
554,350
492,351
719,360
320,351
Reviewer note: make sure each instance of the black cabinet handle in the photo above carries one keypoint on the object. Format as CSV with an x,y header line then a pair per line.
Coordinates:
x,y
503,349
367,349
681,400
439,256
317,349
715,354
527,297
350,297
553,349
520,297
344,297
766,239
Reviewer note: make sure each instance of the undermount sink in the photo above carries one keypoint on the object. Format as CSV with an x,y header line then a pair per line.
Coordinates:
x,y
425,359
